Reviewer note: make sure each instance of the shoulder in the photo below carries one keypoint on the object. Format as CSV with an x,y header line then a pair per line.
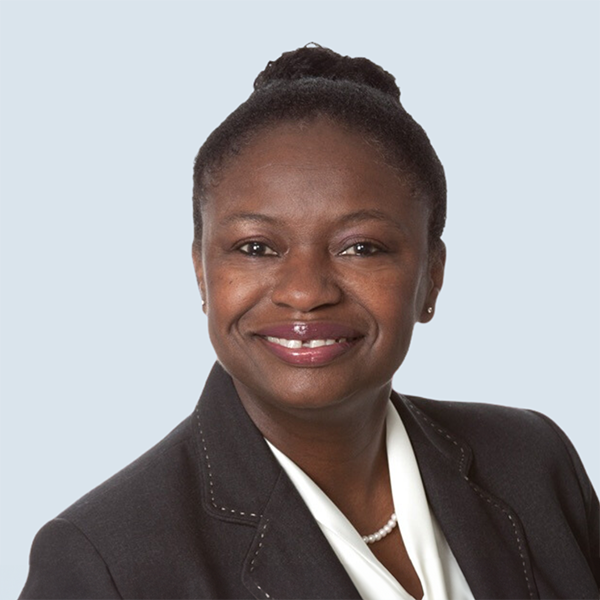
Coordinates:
x,y
144,484
509,447
487,426
468,417
91,548
65,564
522,462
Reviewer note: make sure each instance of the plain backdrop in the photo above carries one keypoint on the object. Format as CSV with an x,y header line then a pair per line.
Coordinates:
x,y
103,108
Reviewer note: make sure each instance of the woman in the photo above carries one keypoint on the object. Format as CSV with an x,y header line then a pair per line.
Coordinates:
x,y
319,206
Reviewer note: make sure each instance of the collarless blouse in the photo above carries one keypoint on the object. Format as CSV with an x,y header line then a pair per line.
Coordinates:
x,y
432,558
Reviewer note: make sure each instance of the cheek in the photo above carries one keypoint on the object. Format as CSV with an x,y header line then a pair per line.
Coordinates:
x,y
230,294
394,305
391,296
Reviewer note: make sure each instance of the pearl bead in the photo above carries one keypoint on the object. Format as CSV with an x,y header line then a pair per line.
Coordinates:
x,y
381,533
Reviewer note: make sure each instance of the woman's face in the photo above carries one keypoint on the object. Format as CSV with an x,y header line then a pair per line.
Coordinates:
x,y
314,267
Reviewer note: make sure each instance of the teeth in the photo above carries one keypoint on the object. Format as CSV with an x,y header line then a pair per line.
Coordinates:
x,y
315,343
299,344
285,343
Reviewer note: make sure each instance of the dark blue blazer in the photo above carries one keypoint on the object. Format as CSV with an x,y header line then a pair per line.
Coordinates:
x,y
209,513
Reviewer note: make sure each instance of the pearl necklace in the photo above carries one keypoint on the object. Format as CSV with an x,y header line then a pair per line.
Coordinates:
x,y
381,533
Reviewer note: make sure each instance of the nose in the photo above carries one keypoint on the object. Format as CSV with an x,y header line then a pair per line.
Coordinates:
x,y
305,282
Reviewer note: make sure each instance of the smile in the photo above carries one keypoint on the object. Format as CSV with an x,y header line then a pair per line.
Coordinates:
x,y
309,344
303,344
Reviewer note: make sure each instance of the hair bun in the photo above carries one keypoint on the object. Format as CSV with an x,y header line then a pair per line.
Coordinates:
x,y
315,61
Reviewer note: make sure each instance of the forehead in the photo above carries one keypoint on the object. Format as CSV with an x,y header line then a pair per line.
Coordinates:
x,y
303,170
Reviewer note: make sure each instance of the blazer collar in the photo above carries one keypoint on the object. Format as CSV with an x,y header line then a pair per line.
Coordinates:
x,y
290,557
244,483
484,533
239,472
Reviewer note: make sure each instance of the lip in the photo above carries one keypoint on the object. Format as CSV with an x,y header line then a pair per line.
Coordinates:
x,y
304,331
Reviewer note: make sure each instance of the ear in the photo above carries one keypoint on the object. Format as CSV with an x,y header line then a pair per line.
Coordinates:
x,y
199,270
437,264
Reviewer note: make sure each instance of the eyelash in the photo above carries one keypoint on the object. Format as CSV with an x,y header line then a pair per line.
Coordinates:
x,y
255,251
258,249
372,249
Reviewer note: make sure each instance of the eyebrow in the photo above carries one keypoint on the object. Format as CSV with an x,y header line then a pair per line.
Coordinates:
x,y
370,215
252,217
354,217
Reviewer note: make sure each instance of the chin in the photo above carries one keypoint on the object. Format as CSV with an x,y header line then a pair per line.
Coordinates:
x,y
310,389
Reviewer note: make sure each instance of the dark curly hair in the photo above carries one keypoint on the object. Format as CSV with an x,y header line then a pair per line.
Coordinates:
x,y
355,93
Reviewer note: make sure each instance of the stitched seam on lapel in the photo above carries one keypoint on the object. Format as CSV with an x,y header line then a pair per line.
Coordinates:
x,y
253,561
479,491
262,591
440,431
211,487
491,501
260,545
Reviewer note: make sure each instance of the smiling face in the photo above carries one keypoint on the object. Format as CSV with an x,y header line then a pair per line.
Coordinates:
x,y
314,267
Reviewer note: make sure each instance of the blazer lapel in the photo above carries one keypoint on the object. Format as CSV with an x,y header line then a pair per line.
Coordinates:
x,y
243,483
290,557
484,534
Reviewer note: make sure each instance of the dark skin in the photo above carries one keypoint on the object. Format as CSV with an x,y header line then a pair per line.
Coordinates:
x,y
310,225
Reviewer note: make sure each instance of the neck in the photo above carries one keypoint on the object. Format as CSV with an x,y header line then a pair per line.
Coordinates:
x,y
341,448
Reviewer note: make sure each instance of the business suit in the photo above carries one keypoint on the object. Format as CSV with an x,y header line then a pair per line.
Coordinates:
x,y
209,513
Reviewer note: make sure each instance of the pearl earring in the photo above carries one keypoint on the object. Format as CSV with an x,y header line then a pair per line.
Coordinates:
x,y
429,310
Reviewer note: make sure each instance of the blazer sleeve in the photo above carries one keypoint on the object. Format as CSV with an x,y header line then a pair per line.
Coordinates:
x,y
64,564
590,499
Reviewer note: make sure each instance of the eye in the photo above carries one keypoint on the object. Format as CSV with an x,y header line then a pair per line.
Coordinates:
x,y
257,249
361,249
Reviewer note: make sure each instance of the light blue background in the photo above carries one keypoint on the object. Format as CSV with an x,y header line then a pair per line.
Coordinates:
x,y
103,107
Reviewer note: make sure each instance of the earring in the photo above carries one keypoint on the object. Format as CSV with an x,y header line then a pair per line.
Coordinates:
x,y
429,310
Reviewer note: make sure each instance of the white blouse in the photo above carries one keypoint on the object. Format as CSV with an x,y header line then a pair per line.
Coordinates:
x,y
438,571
